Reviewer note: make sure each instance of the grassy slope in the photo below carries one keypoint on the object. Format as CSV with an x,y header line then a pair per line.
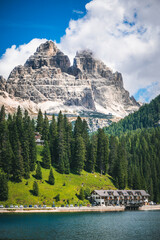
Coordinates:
x,y
19,193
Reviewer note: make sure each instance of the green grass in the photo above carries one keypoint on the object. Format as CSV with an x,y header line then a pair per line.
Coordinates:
x,y
68,186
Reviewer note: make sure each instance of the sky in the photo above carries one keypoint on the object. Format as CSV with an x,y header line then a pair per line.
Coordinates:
x,y
124,34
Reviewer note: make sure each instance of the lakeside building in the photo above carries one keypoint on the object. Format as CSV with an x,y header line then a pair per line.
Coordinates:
x,y
120,197
38,139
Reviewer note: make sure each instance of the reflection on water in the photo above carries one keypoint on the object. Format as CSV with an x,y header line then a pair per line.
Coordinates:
x,y
131,225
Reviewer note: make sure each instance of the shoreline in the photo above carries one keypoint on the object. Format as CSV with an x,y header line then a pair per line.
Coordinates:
x,y
78,209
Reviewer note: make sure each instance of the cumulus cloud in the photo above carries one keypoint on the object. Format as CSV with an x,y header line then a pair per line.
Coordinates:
x,y
125,35
17,56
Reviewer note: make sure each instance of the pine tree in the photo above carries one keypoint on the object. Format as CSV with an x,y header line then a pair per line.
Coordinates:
x,y
3,187
19,123
81,194
102,152
35,189
51,179
18,170
85,135
57,197
78,128
38,171
112,155
122,165
79,155
25,155
92,155
45,130
2,120
68,144
32,147
6,153
61,148
46,157
40,121
17,167
2,114
53,140
87,193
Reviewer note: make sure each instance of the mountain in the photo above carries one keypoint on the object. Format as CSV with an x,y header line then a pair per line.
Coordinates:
x,y
146,117
48,81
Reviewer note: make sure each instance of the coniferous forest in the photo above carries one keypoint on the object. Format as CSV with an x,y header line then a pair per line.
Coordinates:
x,y
132,158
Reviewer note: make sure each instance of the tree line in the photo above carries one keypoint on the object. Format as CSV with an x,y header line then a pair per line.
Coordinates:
x,y
147,116
71,149
132,159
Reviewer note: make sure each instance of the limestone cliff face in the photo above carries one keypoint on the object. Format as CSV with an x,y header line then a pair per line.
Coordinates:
x,y
87,85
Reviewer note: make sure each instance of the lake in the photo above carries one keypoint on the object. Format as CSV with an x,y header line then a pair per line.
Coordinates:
x,y
128,225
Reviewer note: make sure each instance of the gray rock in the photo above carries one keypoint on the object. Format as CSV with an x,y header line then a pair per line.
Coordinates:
x,y
2,84
89,83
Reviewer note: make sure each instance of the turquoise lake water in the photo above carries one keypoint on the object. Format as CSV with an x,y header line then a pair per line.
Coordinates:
x,y
129,225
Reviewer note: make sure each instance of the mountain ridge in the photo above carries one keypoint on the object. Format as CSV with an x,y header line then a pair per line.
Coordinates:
x,y
48,81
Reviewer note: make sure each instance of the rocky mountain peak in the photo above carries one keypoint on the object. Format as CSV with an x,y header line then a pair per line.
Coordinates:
x,y
48,48
47,54
48,81
87,63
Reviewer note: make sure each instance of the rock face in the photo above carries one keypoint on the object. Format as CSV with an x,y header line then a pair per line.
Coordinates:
x,y
47,79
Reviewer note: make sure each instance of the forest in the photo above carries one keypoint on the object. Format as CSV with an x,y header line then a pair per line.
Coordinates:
x,y
131,158
147,116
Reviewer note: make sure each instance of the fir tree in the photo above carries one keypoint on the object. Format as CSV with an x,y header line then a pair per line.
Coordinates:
x,y
57,197
32,147
26,160
122,165
35,189
17,167
19,123
18,170
51,179
2,114
38,171
6,153
92,155
78,128
112,155
3,187
87,193
40,121
68,144
81,194
61,148
102,152
46,157
53,140
45,130
79,154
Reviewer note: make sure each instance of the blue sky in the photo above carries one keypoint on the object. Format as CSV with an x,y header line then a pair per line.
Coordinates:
x,y
21,20
124,34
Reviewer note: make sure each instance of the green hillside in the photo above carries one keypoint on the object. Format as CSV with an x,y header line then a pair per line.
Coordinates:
x,y
67,185
147,116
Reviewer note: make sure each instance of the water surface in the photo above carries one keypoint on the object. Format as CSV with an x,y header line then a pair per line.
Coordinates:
x,y
129,225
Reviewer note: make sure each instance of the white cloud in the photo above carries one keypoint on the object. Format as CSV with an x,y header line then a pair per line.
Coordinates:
x,y
17,56
78,12
125,35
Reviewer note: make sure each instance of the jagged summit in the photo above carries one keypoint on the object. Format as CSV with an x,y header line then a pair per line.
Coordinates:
x,y
48,81
49,48
47,54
